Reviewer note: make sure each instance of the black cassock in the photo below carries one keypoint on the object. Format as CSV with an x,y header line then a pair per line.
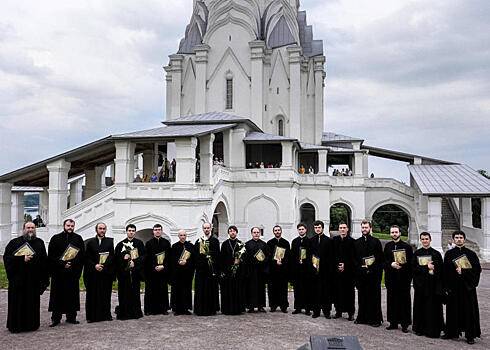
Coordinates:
x,y
257,271
27,281
206,289
321,287
129,281
428,294
98,284
300,272
64,297
182,275
462,312
398,285
344,294
277,287
156,286
368,280
232,284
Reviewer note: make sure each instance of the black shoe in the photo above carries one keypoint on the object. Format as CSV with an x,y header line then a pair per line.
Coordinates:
x,y
273,309
328,317
307,312
419,333
392,326
72,321
351,317
251,311
405,329
284,310
337,315
315,315
89,321
376,324
187,313
295,312
357,322
165,313
447,336
470,341
261,309
54,324
147,314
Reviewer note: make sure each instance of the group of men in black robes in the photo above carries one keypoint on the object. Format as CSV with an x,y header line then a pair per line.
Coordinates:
x,y
323,271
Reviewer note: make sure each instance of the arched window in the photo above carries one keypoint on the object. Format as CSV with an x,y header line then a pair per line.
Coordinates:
x,y
229,92
280,127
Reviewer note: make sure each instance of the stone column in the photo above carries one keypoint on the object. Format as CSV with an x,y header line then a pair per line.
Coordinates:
x,y
206,157
5,211
176,69
168,93
17,213
319,69
201,72
44,205
149,162
434,216
485,222
185,149
93,181
257,56
58,193
124,164
287,154
322,161
227,144
238,148
294,53
358,164
465,212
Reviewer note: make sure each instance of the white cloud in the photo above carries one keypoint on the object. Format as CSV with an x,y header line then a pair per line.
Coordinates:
x,y
403,74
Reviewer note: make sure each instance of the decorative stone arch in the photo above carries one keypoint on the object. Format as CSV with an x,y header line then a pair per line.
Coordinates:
x,y
307,200
250,10
350,209
256,198
224,199
347,203
220,221
403,205
145,222
227,20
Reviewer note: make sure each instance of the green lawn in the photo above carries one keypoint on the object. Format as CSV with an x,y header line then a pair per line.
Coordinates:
x,y
4,283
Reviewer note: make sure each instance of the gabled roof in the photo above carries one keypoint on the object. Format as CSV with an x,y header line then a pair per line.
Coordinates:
x,y
175,131
263,137
456,180
333,137
212,118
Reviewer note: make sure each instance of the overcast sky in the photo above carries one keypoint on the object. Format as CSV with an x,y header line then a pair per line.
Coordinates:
x,y
410,75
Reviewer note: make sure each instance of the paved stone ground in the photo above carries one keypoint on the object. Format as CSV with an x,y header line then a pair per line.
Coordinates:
x,y
250,331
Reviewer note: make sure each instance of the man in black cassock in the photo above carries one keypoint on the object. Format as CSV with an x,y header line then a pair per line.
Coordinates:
x,y
277,286
257,265
182,275
129,256
206,290
398,281
428,292
300,270
344,294
66,252
157,273
369,261
98,275
321,263
232,266
28,278
461,277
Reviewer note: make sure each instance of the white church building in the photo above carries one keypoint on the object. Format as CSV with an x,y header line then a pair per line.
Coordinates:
x,y
245,125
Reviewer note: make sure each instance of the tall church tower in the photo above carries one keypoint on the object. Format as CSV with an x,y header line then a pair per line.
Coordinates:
x,y
252,58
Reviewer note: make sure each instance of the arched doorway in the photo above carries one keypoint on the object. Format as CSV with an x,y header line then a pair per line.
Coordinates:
x,y
307,216
146,234
340,212
220,222
391,214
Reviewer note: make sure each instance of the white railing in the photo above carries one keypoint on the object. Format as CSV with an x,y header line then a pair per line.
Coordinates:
x,y
93,208
389,183
168,191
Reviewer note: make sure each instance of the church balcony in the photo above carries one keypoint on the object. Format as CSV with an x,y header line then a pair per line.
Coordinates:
x,y
168,191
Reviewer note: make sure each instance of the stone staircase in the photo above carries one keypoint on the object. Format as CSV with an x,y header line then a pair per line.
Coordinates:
x,y
449,224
